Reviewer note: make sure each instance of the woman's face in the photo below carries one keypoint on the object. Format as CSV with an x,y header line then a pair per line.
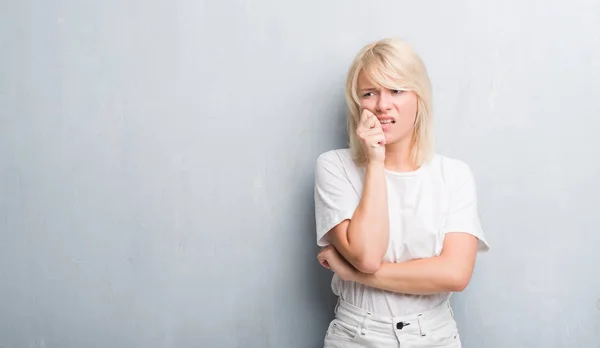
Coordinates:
x,y
396,110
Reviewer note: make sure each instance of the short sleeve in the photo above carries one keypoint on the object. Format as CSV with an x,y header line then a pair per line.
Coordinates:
x,y
463,215
335,197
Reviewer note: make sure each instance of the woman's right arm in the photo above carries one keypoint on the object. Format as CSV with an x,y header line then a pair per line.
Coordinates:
x,y
357,227
363,239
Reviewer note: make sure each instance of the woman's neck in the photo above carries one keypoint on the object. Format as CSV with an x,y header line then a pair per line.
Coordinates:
x,y
398,158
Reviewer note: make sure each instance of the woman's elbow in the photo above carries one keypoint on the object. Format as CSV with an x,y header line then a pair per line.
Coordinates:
x,y
459,281
368,265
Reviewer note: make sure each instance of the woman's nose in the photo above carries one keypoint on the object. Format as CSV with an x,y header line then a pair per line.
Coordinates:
x,y
384,102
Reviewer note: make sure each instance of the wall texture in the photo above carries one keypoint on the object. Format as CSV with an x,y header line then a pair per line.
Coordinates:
x,y
156,162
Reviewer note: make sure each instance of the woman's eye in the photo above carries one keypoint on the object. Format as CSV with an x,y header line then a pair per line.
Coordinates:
x,y
396,91
368,94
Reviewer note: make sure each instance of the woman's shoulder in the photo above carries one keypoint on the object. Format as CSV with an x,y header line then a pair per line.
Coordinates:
x,y
337,157
337,166
449,167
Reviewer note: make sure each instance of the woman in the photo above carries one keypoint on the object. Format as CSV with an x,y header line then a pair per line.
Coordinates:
x,y
398,223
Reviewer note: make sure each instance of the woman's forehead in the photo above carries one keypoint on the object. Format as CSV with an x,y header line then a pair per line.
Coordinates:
x,y
377,79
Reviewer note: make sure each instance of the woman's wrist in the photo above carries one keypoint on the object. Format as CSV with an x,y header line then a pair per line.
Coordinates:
x,y
375,165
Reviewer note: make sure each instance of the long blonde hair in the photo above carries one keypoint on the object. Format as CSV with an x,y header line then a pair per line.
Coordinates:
x,y
392,63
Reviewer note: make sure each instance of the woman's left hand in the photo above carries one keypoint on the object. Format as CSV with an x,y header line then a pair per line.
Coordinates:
x,y
330,258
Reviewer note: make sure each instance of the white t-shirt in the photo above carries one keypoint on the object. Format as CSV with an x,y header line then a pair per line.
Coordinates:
x,y
424,205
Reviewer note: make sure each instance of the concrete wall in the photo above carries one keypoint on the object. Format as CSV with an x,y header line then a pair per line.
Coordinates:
x,y
156,165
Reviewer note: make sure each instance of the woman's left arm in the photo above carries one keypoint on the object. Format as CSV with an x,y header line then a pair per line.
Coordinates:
x,y
449,272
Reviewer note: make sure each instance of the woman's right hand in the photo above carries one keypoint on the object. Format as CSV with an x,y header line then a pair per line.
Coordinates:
x,y
371,136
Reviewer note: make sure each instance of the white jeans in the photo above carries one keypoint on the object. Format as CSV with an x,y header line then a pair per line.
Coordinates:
x,y
355,327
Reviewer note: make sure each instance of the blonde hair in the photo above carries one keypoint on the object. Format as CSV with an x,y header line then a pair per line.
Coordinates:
x,y
392,63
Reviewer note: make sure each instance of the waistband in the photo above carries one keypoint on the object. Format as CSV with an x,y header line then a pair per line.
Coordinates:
x,y
415,323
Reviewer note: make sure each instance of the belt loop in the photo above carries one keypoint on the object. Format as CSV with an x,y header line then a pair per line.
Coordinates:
x,y
364,325
421,329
